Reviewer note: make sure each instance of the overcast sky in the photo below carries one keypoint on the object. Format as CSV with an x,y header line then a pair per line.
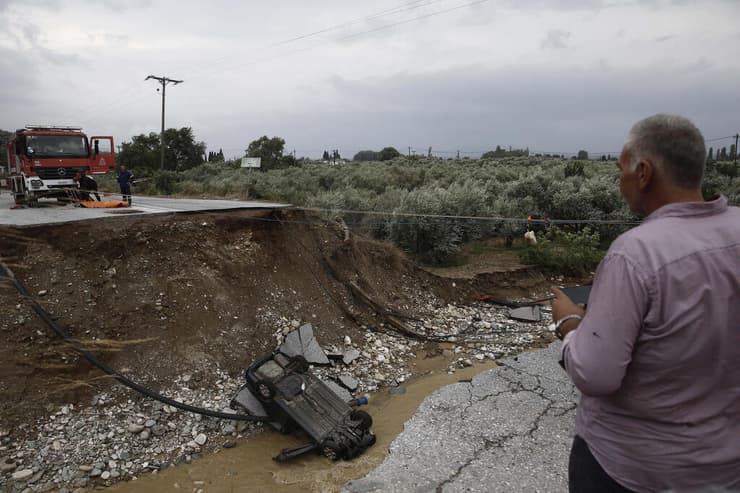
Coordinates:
x,y
551,75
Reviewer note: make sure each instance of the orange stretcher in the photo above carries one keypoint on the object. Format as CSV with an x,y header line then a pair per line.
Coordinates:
x,y
105,204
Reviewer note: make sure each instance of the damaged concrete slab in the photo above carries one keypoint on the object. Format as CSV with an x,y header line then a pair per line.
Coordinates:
x,y
349,382
526,314
247,400
302,342
350,355
509,429
339,390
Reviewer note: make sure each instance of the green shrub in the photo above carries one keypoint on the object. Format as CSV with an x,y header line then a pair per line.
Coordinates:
x,y
575,253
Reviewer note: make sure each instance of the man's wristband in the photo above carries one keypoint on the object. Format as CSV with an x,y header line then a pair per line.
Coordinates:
x,y
560,322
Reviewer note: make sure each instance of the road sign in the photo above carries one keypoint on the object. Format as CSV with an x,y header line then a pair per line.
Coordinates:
x,y
251,162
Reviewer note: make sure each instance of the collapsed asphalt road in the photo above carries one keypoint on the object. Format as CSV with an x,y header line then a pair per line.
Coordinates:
x,y
509,429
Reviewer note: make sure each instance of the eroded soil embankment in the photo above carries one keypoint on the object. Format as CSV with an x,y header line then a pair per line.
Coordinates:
x,y
186,294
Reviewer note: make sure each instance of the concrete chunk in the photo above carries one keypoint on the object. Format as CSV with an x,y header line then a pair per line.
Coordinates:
x,y
247,401
526,314
339,390
302,342
348,381
350,355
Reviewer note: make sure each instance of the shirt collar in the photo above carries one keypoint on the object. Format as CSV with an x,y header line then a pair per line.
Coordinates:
x,y
711,207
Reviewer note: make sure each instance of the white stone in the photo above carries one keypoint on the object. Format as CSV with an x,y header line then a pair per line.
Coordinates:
x,y
22,474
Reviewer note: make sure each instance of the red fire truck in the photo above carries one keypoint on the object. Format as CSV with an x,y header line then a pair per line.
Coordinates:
x,y
43,160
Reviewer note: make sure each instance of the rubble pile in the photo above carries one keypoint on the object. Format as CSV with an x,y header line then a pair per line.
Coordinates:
x,y
120,435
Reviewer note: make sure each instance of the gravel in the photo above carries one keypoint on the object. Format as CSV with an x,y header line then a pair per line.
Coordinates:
x,y
121,435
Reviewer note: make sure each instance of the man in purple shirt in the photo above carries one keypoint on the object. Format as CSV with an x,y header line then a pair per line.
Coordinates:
x,y
656,355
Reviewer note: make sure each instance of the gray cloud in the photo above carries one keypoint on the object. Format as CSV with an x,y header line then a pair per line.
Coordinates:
x,y
553,75
555,39
121,6
475,109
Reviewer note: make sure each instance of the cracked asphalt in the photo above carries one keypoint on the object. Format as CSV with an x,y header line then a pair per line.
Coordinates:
x,y
509,429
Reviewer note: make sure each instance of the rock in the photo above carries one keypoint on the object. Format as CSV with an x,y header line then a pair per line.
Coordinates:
x,y
229,429
339,390
144,435
149,423
247,401
95,473
105,475
79,483
380,358
480,357
85,468
464,363
229,444
200,439
348,382
114,474
43,292
397,390
22,475
350,355
379,377
158,430
36,477
7,465
302,342
347,341
135,428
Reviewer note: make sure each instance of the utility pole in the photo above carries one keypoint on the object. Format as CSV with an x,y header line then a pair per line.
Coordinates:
x,y
737,151
409,151
164,81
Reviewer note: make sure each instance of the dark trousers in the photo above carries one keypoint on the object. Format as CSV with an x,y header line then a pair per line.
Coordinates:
x,y
585,474
85,194
126,192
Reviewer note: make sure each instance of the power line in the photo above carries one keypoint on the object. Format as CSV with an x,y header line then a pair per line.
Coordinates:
x,y
719,138
412,6
470,218
396,10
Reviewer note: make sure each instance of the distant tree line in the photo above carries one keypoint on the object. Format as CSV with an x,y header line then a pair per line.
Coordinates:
x,y
4,137
385,154
214,157
722,154
181,152
499,152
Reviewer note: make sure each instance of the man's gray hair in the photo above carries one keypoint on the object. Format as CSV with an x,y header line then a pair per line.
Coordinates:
x,y
674,143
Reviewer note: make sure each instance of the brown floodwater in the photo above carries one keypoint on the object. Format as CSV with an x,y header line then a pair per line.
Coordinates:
x,y
249,465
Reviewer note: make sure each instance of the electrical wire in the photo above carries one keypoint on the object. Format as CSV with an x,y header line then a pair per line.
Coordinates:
x,y
7,274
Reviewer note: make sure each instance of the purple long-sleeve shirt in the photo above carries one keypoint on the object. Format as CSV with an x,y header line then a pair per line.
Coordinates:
x,y
657,355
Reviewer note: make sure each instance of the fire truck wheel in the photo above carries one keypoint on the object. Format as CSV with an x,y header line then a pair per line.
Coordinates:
x,y
366,421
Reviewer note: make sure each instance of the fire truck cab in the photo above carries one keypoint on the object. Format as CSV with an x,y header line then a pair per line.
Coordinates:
x,y
43,160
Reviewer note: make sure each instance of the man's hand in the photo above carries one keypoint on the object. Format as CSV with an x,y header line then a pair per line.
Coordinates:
x,y
562,306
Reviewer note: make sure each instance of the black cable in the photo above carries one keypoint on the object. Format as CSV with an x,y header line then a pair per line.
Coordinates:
x,y
6,273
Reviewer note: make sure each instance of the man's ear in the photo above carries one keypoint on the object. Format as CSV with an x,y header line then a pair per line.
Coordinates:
x,y
645,173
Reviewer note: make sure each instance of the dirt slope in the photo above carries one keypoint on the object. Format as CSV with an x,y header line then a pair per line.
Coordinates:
x,y
186,293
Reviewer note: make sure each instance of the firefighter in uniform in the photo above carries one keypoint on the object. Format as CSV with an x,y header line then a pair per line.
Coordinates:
x,y
125,178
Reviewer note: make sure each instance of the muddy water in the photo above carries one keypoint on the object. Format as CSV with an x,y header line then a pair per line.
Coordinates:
x,y
249,466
